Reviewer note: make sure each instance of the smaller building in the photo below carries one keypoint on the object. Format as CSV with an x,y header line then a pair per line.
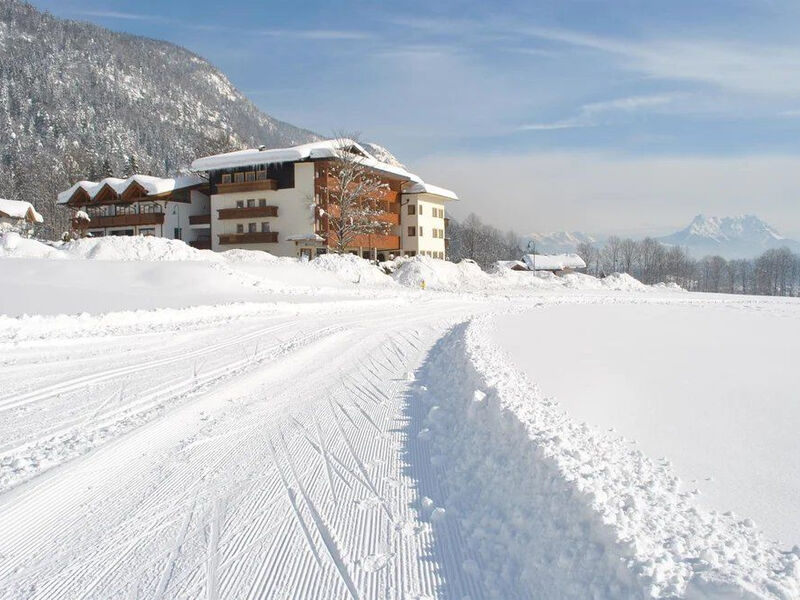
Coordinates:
x,y
173,207
16,214
555,263
512,265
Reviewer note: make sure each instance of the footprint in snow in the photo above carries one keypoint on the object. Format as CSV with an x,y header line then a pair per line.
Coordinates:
x,y
374,562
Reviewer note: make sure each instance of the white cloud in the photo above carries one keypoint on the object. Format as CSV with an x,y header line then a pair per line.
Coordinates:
x,y
590,115
761,69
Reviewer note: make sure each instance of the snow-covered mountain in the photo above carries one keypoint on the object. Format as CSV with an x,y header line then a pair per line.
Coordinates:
x,y
78,100
559,242
744,236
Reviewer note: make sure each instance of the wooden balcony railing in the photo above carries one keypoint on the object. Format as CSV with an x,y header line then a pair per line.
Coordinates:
x,y
251,212
128,220
200,219
247,186
260,237
381,242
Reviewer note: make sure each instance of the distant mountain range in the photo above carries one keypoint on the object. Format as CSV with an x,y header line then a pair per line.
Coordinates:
x,y
745,236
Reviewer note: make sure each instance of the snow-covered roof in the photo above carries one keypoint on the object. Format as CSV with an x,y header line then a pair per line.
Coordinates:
x,y
154,186
310,151
553,262
511,264
19,209
305,237
420,187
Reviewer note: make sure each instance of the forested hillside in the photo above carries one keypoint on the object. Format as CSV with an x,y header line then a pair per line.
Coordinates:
x,y
78,100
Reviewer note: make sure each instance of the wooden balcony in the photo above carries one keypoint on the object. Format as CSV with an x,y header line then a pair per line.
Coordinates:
x,y
200,219
251,212
127,220
391,218
260,237
247,186
380,242
204,244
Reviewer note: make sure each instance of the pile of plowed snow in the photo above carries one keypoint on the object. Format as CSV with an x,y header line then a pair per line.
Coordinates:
x,y
351,268
418,272
552,508
422,271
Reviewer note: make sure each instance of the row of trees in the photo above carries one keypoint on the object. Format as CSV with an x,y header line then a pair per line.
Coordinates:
x,y
775,273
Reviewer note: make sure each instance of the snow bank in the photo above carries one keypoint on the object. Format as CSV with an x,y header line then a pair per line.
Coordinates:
x,y
351,268
147,248
468,276
550,508
440,274
13,244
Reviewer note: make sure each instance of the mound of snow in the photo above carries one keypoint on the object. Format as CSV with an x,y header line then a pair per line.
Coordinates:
x,y
145,248
349,267
438,274
551,508
13,244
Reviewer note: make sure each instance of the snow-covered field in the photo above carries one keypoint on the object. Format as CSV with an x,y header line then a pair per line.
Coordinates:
x,y
715,389
277,429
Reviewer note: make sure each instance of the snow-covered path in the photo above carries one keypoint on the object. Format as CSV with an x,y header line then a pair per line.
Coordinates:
x,y
365,448
284,481
276,437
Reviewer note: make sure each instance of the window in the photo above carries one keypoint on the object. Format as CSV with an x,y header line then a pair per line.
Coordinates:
x,y
251,202
261,175
420,232
240,204
412,253
148,231
226,178
178,233
412,231
411,209
239,228
262,202
251,228
250,176
264,227
238,177
420,211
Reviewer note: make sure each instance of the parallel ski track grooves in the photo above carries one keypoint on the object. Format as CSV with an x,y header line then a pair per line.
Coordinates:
x,y
85,380
333,458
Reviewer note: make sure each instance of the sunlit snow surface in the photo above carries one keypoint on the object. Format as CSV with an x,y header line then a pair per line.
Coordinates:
x,y
715,389
176,423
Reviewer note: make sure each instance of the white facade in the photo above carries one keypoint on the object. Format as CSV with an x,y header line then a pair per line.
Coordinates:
x,y
422,221
295,216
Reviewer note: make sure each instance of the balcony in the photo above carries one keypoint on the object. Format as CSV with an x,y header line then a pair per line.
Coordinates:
x,y
260,237
128,220
247,186
380,242
250,212
200,219
202,244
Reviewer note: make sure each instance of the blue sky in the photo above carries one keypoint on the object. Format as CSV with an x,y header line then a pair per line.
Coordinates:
x,y
634,115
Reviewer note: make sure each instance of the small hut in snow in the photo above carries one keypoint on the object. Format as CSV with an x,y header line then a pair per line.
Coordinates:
x,y
555,263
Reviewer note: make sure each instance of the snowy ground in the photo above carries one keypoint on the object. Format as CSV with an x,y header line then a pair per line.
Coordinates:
x,y
713,388
336,433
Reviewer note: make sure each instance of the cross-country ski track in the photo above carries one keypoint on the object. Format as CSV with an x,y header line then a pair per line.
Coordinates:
x,y
352,451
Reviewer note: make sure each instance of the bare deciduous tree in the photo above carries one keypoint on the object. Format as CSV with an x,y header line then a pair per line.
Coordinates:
x,y
353,196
